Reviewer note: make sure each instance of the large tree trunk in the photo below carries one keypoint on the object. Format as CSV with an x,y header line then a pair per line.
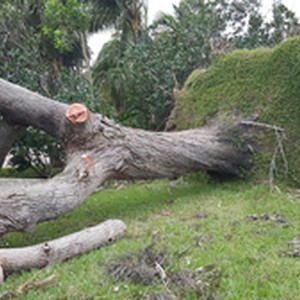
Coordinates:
x,y
98,149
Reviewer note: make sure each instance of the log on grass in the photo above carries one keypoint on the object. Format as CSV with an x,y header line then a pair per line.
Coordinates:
x,y
61,249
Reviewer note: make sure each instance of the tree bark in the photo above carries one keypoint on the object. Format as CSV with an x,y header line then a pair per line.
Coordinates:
x,y
8,136
41,255
99,149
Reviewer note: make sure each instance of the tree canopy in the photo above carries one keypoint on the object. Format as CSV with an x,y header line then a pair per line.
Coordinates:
x,y
141,81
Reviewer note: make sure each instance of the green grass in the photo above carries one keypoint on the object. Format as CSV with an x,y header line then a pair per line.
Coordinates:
x,y
12,172
246,251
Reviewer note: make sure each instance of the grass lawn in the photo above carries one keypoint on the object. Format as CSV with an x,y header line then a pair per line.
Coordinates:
x,y
239,231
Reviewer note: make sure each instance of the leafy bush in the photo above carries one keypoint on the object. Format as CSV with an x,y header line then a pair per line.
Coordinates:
x,y
261,83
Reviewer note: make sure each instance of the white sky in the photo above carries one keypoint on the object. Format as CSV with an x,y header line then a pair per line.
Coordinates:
x,y
97,40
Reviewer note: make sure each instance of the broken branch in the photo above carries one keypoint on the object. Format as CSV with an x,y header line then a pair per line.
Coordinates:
x,y
41,255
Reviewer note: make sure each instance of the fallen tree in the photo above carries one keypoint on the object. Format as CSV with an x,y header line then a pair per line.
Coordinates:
x,y
98,149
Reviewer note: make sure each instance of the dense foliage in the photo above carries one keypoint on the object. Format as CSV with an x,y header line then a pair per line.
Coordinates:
x,y
142,80
44,52
260,84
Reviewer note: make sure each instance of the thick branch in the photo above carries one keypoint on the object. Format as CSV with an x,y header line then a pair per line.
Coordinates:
x,y
41,255
23,107
31,201
166,154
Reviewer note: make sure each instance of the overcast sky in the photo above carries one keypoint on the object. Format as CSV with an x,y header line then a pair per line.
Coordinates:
x,y
97,40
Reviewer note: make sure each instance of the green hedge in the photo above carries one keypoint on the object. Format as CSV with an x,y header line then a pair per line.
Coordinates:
x,y
261,82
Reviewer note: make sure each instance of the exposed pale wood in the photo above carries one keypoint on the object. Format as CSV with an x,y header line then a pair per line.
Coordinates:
x,y
1,275
41,255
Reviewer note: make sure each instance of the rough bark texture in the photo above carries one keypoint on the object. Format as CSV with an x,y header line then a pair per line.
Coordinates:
x,y
99,149
41,255
8,134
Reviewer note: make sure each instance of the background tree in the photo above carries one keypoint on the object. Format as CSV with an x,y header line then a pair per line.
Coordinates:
x,y
142,82
45,51
261,33
64,27
150,70
111,69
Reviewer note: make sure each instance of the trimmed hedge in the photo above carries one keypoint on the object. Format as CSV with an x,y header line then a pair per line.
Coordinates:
x,y
261,82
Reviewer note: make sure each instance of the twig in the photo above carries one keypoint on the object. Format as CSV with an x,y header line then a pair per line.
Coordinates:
x,y
162,274
273,167
279,132
27,286
279,140
265,125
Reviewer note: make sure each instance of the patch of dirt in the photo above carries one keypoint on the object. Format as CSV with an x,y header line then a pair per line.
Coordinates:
x,y
294,248
162,296
275,217
150,267
138,267
198,215
200,280
201,239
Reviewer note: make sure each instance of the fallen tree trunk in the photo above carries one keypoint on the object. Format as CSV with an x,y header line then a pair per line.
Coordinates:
x,y
98,149
41,255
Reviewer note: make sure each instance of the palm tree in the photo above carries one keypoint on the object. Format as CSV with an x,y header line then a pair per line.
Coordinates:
x,y
104,13
129,19
107,13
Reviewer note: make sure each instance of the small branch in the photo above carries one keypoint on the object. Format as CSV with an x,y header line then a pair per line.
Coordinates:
x,y
279,132
1,275
27,286
41,255
265,125
162,274
273,167
279,140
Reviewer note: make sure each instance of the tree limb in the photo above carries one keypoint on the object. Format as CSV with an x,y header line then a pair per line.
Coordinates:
x,y
19,105
41,255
